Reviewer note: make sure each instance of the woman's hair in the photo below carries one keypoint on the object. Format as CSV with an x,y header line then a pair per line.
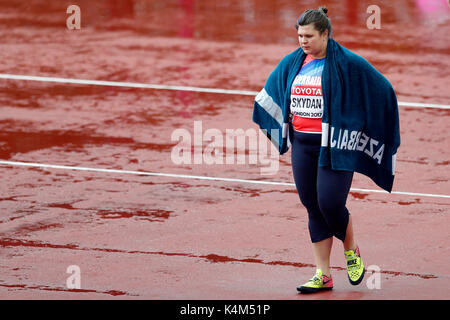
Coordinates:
x,y
318,17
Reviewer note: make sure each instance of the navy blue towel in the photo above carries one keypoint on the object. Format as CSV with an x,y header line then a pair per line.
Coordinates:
x,y
360,123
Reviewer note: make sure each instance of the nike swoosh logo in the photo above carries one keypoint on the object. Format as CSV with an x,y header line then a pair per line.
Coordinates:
x,y
350,262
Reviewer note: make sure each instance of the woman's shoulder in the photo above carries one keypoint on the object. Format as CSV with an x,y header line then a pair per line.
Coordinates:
x,y
350,57
359,63
292,56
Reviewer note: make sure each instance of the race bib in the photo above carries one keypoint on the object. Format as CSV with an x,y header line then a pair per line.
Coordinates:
x,y
306,98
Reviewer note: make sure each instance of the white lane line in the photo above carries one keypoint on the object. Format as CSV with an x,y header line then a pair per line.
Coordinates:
x,y
126,84
178,88
184,176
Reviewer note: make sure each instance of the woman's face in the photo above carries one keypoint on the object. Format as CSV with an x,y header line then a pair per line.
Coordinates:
x,y
311,41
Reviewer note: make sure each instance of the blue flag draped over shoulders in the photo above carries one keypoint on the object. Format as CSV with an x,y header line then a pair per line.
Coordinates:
x,y
360,123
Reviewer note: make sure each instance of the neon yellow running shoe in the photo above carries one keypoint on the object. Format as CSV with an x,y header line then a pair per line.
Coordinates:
x,y
355,266
317,283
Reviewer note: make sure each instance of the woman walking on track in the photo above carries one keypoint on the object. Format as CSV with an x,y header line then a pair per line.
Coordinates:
x,y
340,115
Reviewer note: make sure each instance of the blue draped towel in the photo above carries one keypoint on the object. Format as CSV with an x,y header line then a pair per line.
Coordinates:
x,y
360,123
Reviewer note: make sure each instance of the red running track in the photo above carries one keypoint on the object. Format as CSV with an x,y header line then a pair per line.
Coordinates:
x,y
150,237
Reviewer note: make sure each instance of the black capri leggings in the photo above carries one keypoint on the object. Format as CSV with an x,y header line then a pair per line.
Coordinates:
x,y
322,191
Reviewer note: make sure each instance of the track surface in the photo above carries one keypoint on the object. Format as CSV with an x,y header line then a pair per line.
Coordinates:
x,y
175,237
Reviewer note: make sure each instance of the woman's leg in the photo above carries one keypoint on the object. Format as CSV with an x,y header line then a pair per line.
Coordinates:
x,y
333,187
305,153
322,251
349,242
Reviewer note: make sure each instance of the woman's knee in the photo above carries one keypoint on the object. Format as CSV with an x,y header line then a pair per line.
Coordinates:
x,y
336,215
330,206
